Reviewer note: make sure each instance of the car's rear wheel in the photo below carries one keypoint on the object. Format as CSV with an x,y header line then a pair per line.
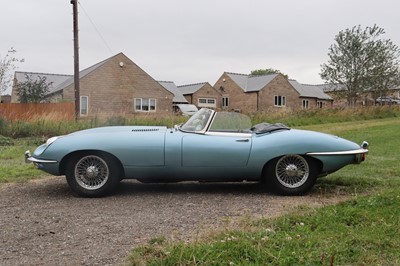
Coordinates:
x,y
291,174
93,175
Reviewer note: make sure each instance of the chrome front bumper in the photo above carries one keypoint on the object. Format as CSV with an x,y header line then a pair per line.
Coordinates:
x,y
30,159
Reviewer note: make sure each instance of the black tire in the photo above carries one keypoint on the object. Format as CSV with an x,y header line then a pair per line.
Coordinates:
x,y
93,175
291,174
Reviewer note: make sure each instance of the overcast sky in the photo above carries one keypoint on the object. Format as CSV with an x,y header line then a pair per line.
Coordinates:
x,y
189,41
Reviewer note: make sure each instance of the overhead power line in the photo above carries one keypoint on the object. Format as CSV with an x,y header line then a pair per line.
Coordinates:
x,y
95,28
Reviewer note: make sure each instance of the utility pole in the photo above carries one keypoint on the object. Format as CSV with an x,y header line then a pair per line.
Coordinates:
x,y
76,58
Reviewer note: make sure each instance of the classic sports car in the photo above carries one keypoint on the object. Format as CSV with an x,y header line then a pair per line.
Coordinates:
x,y
210,146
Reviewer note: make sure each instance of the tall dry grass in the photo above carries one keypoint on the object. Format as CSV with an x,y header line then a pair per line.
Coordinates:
x,y
54,123
324,116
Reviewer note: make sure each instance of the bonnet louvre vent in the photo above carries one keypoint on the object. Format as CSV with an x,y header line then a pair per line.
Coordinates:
x,y
145,130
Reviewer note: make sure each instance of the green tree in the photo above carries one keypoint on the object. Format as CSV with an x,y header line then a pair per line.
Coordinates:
x,y
7,64
361,61
33,90
267,71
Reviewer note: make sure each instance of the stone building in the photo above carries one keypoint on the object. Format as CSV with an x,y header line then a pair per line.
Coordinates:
x,y
115,86
202,95
265,93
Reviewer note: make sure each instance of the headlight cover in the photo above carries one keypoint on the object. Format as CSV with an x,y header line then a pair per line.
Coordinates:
x,y
51,140
39,150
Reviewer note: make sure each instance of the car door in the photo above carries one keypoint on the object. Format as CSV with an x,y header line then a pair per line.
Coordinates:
x,y
216,150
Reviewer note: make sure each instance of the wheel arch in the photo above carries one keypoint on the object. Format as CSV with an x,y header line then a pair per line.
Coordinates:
x,y
297,177
307,157
69,156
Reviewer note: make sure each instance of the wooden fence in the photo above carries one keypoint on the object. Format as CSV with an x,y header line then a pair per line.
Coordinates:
x,y
37,111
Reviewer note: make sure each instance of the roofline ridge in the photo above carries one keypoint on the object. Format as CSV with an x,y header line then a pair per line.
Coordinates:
x,y
198,83
237,74
314,84
39,73
307,84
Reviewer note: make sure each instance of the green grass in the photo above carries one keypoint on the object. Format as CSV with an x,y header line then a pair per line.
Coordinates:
x,y
381,167
361,231
12,162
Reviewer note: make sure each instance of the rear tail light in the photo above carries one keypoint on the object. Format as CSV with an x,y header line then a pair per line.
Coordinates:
x,y
359,158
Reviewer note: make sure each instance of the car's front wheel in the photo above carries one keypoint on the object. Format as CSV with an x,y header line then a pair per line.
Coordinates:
x,y
93,175
291,174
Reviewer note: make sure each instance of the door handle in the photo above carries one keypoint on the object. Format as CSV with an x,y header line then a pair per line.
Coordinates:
x,y
242,140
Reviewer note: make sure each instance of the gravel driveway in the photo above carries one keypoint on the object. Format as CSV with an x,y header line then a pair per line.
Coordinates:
x,y
41,223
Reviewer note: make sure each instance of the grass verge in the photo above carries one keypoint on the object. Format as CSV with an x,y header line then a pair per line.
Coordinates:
x,y
361,231
12,162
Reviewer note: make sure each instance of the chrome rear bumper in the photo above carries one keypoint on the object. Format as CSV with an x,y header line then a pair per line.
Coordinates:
x,y
359,153
362,150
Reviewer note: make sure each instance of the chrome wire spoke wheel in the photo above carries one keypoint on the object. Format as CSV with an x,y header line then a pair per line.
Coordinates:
x,y
292,171
91,172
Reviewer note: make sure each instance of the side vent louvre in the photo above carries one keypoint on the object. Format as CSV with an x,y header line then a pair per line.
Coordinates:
x,y
145,130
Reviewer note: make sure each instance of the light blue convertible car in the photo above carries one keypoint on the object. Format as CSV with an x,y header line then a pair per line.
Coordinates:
x,y
210,146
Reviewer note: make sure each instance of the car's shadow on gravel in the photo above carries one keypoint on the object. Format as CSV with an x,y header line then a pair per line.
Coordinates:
x,y
130,187
58,188
54,187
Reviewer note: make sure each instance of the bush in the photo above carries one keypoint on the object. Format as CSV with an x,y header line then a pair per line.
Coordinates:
x,y
3,125
4,141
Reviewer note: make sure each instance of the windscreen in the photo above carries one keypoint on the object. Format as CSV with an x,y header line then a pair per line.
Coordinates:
x,y
230,122
198,121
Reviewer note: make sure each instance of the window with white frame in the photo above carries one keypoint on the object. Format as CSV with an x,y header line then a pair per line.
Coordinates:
x,y
305,104
225,101
320,104
280,101
207,102
84,105
145,104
